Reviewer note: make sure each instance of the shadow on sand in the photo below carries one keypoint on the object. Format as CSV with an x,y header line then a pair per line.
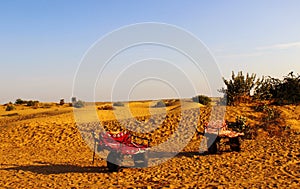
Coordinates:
x,y
48,169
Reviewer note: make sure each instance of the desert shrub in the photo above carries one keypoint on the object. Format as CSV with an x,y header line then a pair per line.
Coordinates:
x,y
159,104
271,114
105,107
202,99
272,122
78,104
265,88
238,87
20,101
240,125
284,91
118,104
260,107
33,103
10,107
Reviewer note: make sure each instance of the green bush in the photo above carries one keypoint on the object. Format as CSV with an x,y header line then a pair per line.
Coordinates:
x,y
32,103
238,87
261,107
10,107
202,99
78,104
239,125
271,114
284,91
20,101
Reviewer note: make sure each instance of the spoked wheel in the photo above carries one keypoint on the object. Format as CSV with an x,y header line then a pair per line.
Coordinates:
x,y
141,160
234,144
113,161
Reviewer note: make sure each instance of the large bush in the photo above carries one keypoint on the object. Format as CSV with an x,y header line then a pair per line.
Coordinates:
x,y
284,91
238,87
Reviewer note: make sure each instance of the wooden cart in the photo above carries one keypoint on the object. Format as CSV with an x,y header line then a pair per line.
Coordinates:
x,y
215,131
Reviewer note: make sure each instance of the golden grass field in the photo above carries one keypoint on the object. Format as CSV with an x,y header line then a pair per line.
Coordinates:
x,y
42,148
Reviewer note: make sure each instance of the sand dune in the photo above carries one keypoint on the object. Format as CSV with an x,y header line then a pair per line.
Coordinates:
x,y
42,148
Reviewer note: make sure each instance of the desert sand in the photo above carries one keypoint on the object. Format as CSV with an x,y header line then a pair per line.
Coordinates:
x,y
43,148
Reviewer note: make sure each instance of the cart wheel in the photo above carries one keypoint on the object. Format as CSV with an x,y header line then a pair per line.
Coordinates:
x,y
234,144
141,160
113,160
213,149
213,144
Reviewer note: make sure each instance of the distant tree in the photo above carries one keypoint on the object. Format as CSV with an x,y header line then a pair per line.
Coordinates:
x,y
202,99
20,101
32,103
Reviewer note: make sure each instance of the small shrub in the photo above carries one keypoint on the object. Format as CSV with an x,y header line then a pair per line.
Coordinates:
x,y
118,104
78,104
105,107
32,103
261,107
202,99
271,114
10,107
240,125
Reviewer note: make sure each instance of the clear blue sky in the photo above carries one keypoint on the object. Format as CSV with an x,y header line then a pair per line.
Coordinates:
x,y
43,41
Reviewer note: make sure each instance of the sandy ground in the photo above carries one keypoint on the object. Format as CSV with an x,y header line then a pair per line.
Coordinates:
x,y
42,148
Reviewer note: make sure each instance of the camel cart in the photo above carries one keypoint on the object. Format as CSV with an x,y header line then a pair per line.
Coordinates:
x,y
119,145
215,131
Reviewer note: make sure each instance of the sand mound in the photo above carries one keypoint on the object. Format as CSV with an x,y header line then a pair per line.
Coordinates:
x,y
45,149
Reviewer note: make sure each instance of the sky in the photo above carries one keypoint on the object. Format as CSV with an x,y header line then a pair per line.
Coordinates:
x,y
43,43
